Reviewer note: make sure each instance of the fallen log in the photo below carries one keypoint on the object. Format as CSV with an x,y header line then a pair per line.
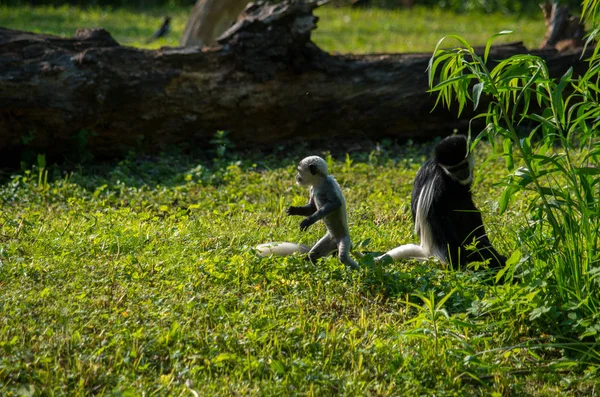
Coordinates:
x,y
209,19
266,82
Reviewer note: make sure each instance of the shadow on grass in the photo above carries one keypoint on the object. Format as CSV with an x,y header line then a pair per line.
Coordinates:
x,y
175,166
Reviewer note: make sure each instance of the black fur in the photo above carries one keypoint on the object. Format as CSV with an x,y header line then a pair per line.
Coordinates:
x,y
454,220
452,150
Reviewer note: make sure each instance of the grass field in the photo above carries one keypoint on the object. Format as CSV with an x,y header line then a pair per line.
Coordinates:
x,y
141,276
339,29
138,277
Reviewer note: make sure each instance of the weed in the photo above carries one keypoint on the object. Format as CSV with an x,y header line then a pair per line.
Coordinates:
x,y
554,167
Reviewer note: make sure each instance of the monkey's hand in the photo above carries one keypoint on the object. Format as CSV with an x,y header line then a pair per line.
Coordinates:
x,y
294,211
306,223
306,210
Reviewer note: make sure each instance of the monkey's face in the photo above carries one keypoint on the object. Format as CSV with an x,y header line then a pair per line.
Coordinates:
x,y
304,177
311,171
452,154
461,172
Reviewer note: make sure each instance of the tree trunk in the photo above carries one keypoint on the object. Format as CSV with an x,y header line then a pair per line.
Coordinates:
x,y
209,19
563,30
266,83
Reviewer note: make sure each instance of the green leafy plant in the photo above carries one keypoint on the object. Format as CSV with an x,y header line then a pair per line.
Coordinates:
x,y
432,317
222,144
545,129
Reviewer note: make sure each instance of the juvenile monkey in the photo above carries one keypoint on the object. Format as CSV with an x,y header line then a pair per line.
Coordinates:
x,y
327,203
446,219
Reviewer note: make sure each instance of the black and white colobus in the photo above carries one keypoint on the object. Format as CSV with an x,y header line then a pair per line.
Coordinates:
x,y
446,219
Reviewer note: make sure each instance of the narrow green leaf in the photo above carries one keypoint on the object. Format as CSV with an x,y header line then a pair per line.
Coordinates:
x,y
508,153
488,45
515,257
587,170
462,41
435,61
451,81
557,99
545,122
505,197
445,298
526,145
477,90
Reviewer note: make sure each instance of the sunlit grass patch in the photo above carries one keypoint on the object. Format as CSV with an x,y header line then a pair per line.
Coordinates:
x,y
127,26
417,30
342,30
141,276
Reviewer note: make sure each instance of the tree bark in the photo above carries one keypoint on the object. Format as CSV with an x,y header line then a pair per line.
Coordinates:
x,y
563,30
209,19
266,83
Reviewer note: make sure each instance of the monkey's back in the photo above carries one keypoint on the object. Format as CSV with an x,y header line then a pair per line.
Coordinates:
x,y
330,192
449,213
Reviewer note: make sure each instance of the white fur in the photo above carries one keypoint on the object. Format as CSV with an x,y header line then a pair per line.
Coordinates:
x,y
328,204
317,161
422,227
281,249
305,178
405,251
427,247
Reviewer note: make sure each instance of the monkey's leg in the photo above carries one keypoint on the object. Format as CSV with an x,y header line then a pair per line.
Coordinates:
x,y
322,248
344,246
405,251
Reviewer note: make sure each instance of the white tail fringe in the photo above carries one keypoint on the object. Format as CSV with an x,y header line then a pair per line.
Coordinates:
x,y
281,249
404,252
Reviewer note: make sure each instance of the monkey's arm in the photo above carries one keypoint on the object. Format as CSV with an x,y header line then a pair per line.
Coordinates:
x,y
321,213
304,210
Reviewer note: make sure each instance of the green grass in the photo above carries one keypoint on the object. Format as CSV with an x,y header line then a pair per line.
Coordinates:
x,y
339,29
418,30
140,276
127,26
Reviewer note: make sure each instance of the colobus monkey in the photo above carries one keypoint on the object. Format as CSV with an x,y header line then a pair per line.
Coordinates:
x,y
446,219
327,203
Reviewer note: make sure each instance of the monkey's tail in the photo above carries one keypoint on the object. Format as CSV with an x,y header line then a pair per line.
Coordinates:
x,y
281,249
405,252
